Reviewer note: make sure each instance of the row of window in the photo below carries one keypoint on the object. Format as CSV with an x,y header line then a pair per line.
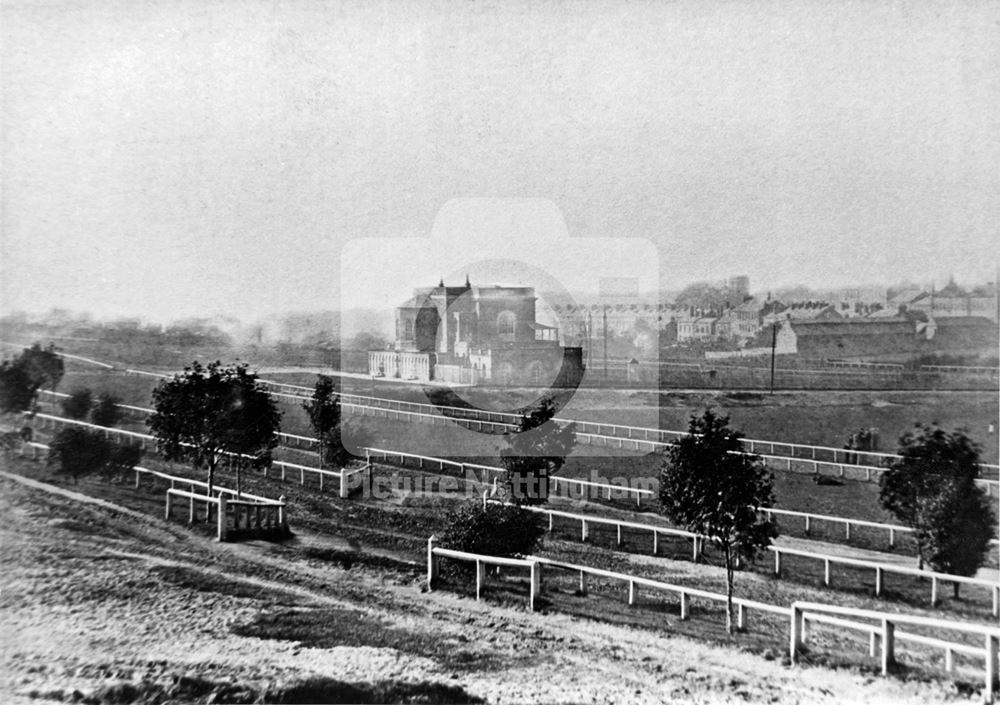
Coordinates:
x,y
506,325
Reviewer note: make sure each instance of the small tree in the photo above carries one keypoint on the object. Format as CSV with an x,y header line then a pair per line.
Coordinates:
x,y
16,392
210,413
79,451
931,488
21,378
44,366
77,405
711,487
324,418
536,450
107,412
122,458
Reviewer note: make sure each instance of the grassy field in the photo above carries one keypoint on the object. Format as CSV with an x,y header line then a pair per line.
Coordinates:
x,y
387,538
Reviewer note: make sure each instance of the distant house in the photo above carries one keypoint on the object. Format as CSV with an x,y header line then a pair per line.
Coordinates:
x,y
953,301
696,327
848,337
802,311
882,337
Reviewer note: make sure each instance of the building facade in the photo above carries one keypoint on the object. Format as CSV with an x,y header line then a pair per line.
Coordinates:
x,y
476,335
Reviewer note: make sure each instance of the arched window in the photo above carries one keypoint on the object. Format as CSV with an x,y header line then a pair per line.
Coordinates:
x,y
506,322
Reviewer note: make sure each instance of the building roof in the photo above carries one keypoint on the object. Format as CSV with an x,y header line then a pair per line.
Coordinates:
x,y
854,326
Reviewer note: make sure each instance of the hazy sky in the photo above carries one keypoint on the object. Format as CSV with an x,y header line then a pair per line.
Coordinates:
x,y
171,158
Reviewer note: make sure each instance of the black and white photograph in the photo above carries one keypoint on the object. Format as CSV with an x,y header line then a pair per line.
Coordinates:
x,y
485,351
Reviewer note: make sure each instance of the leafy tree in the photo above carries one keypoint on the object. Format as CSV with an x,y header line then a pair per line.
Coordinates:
x,y
494,530
931,488
107,412
44,366
536,450
79,451
324,417
711,487
77,405
213,412
16,392
21,378
122,458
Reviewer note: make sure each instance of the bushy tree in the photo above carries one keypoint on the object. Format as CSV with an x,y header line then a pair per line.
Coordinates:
x,y
711,487
536,450
16,393
494,530
77,405
121,459
107,412
325,418
79,451
44,366
214,412
931,488
21,378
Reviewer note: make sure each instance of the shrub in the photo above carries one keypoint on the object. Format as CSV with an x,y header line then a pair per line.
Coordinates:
x,y
107,412
77,404
79,451
494,530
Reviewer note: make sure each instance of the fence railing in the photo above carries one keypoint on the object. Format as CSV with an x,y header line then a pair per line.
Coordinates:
x,y
434,554
341,477
799,613
885,633
698,543
636,438
245,514
422,461
882,569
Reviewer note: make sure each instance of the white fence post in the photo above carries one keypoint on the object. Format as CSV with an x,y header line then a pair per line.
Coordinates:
x,y
777,563
991,667
888,645
631,592
343,483
536,584
795,633
480,578
583,583
432,565
685,605
167,513
221,534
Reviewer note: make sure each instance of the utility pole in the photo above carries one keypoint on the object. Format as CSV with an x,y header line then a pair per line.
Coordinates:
x,y
590,339
605,344
774,345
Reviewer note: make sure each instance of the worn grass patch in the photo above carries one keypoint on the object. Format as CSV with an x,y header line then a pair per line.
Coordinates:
x,y
191,579
325,628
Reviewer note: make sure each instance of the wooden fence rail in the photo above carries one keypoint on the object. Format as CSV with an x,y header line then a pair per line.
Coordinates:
x,y
799,614
884,632
698,543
